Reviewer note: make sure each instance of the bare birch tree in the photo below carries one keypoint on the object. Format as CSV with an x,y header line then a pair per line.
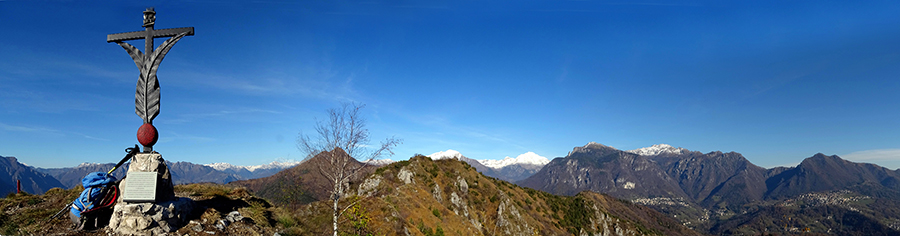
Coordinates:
x,y
342,139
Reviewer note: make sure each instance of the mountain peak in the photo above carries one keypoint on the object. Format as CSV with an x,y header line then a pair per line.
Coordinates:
x,y
821,158
591,146
529,158
658,149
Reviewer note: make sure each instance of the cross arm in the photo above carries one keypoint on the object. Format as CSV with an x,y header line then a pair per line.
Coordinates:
x,y
172,32
143,34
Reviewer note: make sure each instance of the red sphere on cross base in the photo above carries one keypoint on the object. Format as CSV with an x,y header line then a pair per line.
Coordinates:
x,y
147,135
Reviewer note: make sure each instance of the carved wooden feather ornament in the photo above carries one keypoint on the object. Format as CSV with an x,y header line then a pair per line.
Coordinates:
x,y
146,98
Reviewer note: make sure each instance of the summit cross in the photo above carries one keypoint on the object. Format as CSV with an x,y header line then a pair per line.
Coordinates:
x,y
146,98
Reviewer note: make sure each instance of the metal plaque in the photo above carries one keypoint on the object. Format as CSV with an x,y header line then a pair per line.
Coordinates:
x,y
140,187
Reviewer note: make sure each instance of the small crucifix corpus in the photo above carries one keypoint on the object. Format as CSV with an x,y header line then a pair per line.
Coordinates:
x,y
149,33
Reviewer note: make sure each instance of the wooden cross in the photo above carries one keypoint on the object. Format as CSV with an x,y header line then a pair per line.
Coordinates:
x,y
146,97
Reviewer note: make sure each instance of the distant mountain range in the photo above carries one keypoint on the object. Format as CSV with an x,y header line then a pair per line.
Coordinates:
x,y
508,169
38,180
31,180
253,172
723,193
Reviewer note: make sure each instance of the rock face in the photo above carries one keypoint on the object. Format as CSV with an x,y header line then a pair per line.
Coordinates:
x,y
150,218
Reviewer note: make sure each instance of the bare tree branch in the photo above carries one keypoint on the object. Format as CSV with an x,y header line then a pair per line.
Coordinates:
x,y
342,140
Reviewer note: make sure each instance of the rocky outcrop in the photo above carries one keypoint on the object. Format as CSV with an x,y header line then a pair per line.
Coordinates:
x,y
406,176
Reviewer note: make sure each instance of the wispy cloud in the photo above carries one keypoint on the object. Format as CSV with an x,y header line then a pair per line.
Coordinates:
x,y
187,118
92,137
178,137
28,64
443,125
874,155
46,131
320,84
28,99
29,129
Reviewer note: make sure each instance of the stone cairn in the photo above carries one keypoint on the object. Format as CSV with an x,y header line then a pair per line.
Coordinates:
x,y
167,214
158,212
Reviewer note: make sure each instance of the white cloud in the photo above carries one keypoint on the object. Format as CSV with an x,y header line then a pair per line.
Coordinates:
x,y
206,117
17,128
889,158
178,137
874,155
319,83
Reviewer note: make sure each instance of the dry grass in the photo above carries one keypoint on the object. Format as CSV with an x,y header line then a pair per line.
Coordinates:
x,y
24,214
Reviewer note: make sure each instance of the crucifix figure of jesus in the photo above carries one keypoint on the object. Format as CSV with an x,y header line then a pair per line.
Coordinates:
x,y
146,98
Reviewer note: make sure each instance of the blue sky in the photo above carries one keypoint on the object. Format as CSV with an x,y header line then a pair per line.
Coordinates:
x,y
777,81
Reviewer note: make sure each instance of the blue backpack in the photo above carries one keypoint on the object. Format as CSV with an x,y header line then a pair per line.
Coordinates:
x,y
100,191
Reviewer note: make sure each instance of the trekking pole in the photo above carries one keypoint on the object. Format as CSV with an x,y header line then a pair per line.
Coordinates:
x,y
131,152
59,213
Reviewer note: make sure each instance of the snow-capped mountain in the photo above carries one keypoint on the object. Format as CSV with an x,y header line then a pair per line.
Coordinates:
x,y
449,154
509,169
659,149
528,158
255,171
222,166
379,162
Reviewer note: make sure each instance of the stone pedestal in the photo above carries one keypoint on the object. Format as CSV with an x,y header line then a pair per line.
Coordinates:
x,y
149,218
166,214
